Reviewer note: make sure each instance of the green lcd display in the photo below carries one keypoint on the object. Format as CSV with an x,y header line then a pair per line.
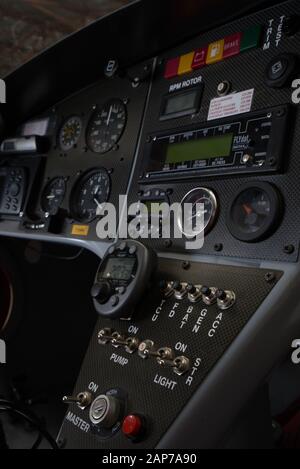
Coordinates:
x,y
210,147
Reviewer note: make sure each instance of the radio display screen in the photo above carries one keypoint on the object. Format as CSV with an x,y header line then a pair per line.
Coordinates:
x,y
119,268
211,147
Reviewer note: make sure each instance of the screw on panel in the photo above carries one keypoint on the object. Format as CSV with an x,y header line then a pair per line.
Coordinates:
x,y
186,265
270,277
280,112
61,443
218,247
272,161
289,249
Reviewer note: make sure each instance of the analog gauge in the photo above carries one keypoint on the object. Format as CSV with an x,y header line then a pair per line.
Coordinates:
x,y
89,194
254,212
106,126
53,195
69,133
193,212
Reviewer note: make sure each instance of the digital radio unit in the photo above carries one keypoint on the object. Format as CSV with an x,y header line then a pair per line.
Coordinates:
x,y
247,143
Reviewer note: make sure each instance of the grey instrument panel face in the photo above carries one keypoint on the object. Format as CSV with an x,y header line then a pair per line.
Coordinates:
x,y
201,333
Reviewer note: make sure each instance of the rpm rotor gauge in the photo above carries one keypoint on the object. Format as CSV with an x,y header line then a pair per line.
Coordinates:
x,y
90,194
254,212
53,195
69,133
198,212
106,126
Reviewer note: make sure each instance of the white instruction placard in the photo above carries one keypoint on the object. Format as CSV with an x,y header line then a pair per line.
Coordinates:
x,y
235,103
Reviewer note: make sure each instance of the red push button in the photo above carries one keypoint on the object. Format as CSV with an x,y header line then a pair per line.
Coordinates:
x,y
171,69
199,58
132,426
232,45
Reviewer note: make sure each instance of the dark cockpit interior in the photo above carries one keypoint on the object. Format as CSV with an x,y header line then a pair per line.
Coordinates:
x,y
149,232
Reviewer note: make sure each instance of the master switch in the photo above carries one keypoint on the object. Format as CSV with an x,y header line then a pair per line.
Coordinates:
x,y
105,411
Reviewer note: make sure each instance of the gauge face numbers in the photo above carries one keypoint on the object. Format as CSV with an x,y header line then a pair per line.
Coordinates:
x,y
106,126
53,195
199,212
89,195
254,212
70,133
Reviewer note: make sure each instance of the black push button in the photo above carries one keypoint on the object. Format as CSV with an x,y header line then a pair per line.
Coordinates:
x,y
280,70
101,291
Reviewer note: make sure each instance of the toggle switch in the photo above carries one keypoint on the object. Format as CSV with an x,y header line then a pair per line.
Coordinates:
x,y
194,293
83,399
209,295
225,299
146,347
132,344
179,290
105,335
181,365
118,340
166,288
163,354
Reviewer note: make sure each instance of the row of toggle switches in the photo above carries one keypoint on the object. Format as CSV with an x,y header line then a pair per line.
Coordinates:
x,y
209,295
146,349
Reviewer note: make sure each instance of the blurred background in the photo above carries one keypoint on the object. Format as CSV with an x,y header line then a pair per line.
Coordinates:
x,y
29,26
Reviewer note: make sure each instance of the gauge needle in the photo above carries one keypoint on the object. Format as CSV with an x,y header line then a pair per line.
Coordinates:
x,y
109,114
97,202
247,209
198,214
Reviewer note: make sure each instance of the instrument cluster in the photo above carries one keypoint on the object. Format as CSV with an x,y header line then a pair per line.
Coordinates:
x,y
77,157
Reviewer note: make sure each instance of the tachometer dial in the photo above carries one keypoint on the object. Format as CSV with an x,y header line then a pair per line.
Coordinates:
x,y
89,194
106,126
191,213
70,132
53,195
254,212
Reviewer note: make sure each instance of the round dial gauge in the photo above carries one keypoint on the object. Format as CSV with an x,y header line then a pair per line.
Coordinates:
x,y
89,194
69,133
106,126
53,195
190,220
254,212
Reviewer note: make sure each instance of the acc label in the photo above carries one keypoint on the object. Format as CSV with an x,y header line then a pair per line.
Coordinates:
x,y
215,325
